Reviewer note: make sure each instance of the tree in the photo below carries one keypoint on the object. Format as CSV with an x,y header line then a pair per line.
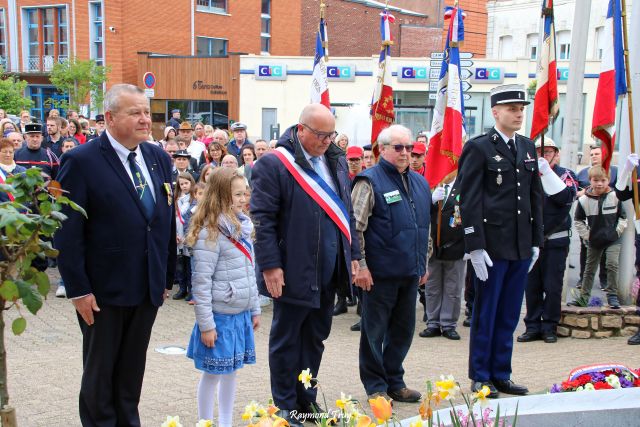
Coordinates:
x,y
12,98
27,224
79,79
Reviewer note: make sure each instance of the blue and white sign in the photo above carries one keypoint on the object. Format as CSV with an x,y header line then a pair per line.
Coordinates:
x,y
271,72
413,74
490,75
563,75
341,73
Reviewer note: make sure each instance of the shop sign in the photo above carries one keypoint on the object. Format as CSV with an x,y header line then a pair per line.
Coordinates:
x,y
563,75
213,89
490,75
341,73
271,72
413,74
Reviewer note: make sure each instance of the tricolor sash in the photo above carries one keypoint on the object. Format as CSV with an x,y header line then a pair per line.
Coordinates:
x,y
3,179
243,245
318,190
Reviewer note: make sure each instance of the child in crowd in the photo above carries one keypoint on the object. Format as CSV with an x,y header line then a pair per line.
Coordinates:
x,y
225,291
600,221
185,200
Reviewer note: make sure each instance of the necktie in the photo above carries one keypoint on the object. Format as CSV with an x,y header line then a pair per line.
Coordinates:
x,y
446,193
512,146
141,186
318,168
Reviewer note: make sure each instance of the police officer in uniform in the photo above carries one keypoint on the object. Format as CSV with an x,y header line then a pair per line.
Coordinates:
x,y
34,155
544,285
501,209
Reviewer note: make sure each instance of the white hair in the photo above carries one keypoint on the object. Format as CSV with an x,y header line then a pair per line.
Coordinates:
x,y
112,97
385,137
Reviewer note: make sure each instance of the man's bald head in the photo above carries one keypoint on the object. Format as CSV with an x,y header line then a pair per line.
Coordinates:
x,y
315,111
316,129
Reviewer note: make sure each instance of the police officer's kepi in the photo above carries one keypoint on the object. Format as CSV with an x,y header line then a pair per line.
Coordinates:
x,y
33,128
508,94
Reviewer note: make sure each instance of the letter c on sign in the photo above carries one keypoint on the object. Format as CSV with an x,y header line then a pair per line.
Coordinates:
x,y
494,73
421,73
263,70
481,73
276,70
331,71
407,72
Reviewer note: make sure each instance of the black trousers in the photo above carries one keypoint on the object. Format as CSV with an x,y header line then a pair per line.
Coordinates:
x,y
114,354
544,290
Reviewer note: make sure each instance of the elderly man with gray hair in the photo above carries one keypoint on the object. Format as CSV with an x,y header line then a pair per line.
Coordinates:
x,y
391,208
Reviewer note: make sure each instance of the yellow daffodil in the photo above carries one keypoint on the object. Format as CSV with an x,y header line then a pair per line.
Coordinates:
x,y
416,424
343,402
364,421
172,422
305,378
204,423
246,416
381,409
481,396
447,387
425,410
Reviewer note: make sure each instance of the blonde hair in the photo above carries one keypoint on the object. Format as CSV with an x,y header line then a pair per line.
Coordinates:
x,y
216,201
598,172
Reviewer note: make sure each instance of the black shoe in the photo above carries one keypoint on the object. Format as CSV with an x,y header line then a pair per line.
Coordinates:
x,y
291,417
340,307
355,327
351,301
181,294
612,301
189,297
466,322
509,387
451,334
405,395
635,340
476,386
550,337
430,333
529,336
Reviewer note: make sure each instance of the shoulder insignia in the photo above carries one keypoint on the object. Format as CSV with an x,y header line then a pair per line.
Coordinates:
x,y
495,136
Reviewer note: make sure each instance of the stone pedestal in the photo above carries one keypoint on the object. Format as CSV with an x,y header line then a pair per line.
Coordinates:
x,y
598,322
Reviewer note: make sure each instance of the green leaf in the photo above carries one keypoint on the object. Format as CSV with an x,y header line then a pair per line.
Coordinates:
x,y
30,297
58,216
42,281
9,291
78,208
19,325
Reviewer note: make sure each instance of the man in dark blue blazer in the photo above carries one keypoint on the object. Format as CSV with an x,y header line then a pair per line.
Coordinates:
x,y
119,261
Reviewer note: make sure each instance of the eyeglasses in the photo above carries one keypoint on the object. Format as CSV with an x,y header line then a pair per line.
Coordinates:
x,y
399,147
322,135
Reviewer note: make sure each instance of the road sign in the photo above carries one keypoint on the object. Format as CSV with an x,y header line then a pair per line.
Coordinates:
x,y
437,55
466,63
466,86
465,73
433,86
434,74
432,96
467,96
440,55
435,63
149,93
149,80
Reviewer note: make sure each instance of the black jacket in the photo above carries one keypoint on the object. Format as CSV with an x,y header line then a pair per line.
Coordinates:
x,y
451,235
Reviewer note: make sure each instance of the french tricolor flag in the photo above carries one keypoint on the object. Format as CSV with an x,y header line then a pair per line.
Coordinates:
x,y
546,100
319,82
612,83
447,127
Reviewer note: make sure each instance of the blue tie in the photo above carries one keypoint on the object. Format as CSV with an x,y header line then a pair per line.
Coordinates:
x,y
318,168
141,187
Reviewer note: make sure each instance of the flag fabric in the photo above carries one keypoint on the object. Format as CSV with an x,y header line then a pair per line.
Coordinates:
x,y
382,114
611,84
319,82
545,107
447,127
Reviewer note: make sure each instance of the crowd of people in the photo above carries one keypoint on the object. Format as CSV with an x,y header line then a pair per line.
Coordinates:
x,y
311,223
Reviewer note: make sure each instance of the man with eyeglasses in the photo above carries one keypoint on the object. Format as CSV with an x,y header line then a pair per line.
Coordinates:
x,y
501,208
305,250
391,207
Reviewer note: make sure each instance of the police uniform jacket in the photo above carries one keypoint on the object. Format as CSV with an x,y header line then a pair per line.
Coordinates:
x,y
500,197
556,217
451,246
42,158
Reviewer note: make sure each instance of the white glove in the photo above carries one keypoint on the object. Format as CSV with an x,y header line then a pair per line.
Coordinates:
x,y
543,166
534,257
480,260
437,195
623,176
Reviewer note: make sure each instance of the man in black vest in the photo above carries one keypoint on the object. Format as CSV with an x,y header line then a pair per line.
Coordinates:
x,y
391,208
500,204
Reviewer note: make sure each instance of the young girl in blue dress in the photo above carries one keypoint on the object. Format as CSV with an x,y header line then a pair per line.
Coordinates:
x,y
224,288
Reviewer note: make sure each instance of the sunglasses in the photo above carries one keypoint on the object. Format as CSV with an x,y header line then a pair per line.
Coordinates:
x,y
399,147
322,135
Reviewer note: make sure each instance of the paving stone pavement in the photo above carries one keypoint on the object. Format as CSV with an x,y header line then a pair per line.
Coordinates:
x,y
45,364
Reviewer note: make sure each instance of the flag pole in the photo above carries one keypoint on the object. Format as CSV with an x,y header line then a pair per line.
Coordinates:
x,y
634,175
323,8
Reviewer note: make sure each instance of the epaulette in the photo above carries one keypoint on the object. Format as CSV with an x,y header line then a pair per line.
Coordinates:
x,y
476,137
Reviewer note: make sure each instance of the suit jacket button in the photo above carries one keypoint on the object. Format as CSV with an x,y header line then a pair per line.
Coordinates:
x,y
518,184
518,211
517,170
148,228
518,197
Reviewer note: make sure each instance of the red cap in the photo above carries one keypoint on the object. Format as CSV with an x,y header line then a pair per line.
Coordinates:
x,y
419,148
355,153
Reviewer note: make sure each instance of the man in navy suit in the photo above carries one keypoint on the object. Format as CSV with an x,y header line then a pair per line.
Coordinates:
x,y
118,262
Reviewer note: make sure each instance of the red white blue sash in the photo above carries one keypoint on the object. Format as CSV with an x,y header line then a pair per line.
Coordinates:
x,y
3,179
318,190
243,245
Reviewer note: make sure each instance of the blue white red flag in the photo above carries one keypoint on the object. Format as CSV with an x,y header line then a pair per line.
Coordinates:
x,y
319,81
382,114
611,84
545,107
447,127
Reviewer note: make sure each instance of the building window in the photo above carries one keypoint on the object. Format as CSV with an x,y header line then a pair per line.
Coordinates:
x,y
219,6
532,46
265,30
96,32
44,99
598,43
564,44
46,37
3,41
208,46
505,47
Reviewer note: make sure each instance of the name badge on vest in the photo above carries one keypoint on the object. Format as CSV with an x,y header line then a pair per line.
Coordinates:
x,y
392,197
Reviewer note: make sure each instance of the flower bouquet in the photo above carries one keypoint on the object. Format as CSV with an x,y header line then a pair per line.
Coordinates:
x,y
599,377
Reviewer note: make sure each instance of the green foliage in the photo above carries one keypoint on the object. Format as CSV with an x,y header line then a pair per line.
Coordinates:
x,y
79,79
12,98
579,299
26,226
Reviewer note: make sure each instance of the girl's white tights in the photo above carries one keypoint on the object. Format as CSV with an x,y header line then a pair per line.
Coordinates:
x,y
225,386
